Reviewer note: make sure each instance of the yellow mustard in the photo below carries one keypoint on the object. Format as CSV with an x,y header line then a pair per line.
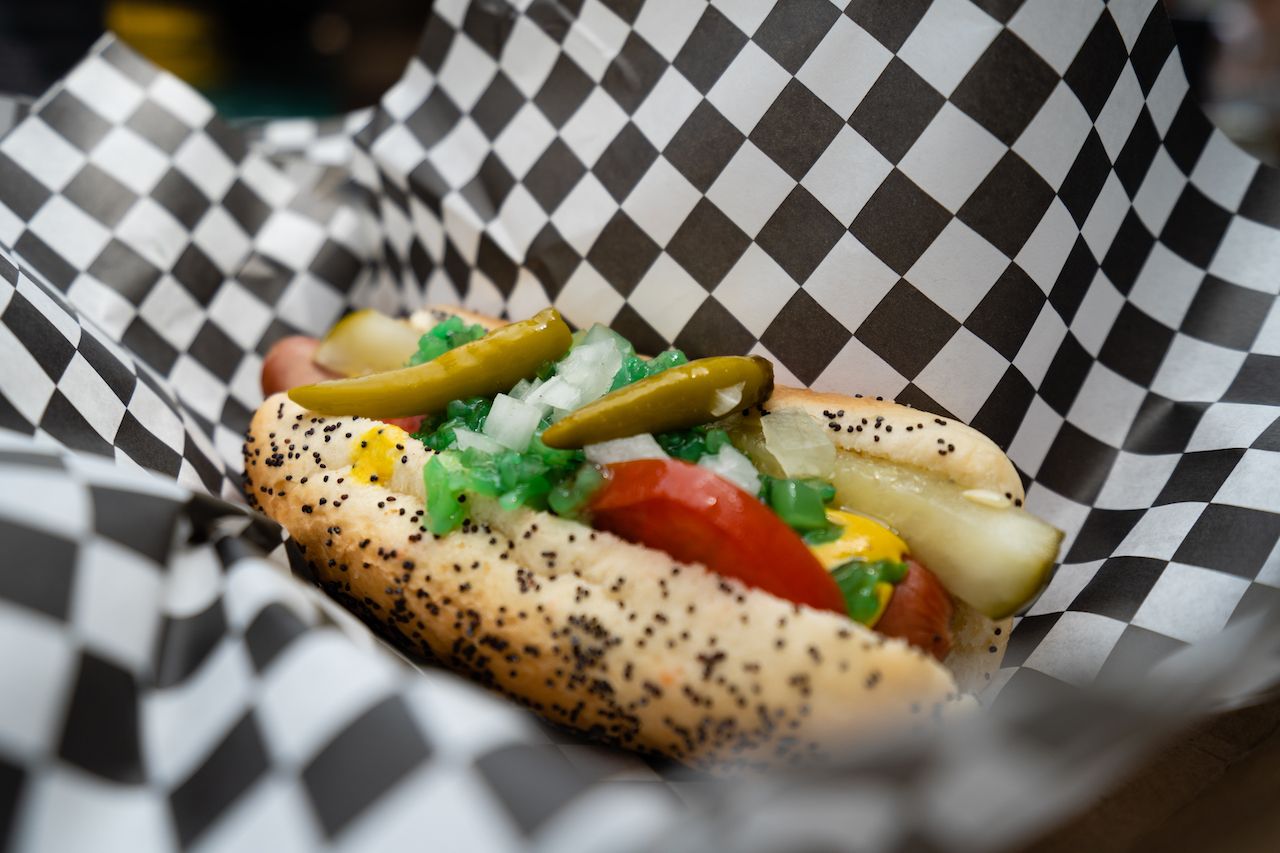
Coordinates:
x,y
862,539
884,592
375,453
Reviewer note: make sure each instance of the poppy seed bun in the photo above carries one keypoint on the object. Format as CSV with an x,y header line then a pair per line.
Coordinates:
x,y
896,433
598,634
608,637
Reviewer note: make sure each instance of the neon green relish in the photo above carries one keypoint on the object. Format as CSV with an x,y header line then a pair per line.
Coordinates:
x,y
438,433
635,368
693,444
442,337
802,504
537,477
857,580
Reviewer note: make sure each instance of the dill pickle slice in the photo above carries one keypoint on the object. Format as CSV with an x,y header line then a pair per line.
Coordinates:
x,y
996,559
367,341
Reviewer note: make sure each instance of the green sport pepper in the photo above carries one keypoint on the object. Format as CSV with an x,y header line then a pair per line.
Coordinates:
x,y
480,368
677,398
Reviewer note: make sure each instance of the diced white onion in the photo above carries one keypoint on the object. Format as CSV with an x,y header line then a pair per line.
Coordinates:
x,y
729,463
590,367
601,333
643,446
468,439
583,376
555,393
799,444
512,422
527,391
727,399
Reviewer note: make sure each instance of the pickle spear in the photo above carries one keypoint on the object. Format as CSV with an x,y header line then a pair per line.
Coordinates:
x,y
481,368
677,398
367,341
997,559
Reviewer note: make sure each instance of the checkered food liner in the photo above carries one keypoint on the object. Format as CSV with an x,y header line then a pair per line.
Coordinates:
x,y
1006,212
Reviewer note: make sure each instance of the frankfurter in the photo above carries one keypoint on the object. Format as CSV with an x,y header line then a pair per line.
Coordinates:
x,y
620,639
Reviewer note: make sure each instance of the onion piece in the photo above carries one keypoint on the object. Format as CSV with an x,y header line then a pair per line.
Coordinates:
x,y
525,390
524,387
735,467
469,439
512,422
798,444
590,367
601,333
643,446
556,393
727,399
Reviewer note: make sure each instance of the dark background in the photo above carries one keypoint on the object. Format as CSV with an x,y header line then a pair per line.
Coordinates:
x,y
251,57
257,58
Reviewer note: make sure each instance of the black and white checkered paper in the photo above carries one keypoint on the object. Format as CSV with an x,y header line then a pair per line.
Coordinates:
x,y
1007,212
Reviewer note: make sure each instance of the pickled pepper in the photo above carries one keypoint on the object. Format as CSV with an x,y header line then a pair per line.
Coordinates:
x,y
484,367
677,398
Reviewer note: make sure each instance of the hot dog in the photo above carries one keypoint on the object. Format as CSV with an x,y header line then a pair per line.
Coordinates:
x,y
291,362
637,644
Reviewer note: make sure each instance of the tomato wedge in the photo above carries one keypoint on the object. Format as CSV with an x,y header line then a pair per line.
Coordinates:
x,y
699,517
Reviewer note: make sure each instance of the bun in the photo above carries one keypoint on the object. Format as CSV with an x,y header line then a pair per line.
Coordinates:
x,y
592,632
907,436
609,637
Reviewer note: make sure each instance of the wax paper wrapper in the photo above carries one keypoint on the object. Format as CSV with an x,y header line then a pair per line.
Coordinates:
x,y
1008,213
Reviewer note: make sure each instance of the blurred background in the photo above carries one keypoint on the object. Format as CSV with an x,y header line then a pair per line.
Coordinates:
x,y
253,58
309,58
258,58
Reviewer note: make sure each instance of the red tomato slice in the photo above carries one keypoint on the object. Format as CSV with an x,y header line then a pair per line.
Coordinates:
x,y
411,424
699,517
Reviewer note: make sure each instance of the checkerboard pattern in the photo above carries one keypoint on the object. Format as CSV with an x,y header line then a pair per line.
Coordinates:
x,y
166,687
123,192
68,382
1006,212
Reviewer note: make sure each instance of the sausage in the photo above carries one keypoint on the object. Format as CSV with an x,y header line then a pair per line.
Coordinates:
x,y
289,364
919,612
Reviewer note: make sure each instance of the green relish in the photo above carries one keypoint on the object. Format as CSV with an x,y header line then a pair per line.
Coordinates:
x,y
442,337
635,368
693,444
438,434
857,580
802,504
538,477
